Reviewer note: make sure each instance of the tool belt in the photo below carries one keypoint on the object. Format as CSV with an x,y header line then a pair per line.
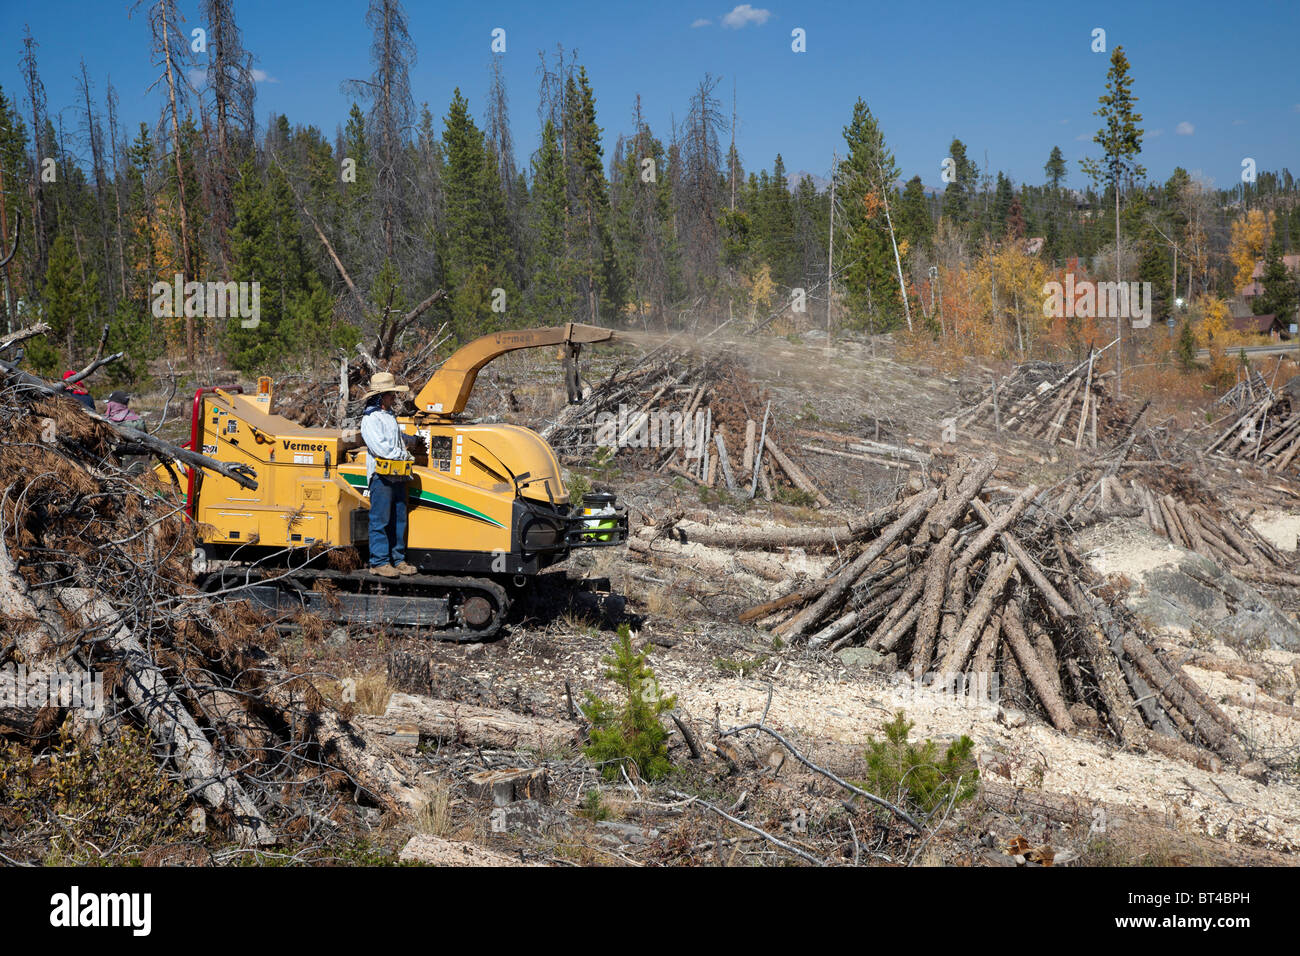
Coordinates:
x,y
393,467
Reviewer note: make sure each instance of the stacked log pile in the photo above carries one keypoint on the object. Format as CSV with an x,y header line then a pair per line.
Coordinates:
x,y
95,578
1177,505
1266,433
703,419
1051,402
943,582
1250,389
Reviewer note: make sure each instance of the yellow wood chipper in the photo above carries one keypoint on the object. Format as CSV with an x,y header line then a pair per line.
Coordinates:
x,y
488,508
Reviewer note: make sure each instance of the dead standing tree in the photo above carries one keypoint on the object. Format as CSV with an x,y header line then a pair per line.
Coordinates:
x,y
230,85
392,53
169,48
699,198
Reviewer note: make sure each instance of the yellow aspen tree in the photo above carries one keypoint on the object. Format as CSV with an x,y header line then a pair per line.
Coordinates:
x,y
1249,239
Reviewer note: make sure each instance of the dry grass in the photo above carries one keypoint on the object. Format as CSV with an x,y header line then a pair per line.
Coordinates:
x,y
373,691
435,816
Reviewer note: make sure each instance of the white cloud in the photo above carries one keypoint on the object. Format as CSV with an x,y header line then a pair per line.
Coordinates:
x,y
1296,108
1185,128
744,15
701,22
199,76
1083,137
1155,133
1243,122
1064,122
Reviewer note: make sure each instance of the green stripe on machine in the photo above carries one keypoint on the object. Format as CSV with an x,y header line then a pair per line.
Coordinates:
x,y
436,501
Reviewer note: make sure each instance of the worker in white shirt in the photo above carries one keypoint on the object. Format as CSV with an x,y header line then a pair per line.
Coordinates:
x,y
388,469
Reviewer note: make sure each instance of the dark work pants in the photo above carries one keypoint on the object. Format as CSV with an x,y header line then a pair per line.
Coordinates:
x,y
387,522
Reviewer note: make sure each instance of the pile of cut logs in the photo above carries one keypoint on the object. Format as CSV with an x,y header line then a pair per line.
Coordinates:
x,y
943,582
1265,433
1052,402
1165,498
700,419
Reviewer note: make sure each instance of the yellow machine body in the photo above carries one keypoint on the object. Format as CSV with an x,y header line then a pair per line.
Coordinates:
x,y
483,498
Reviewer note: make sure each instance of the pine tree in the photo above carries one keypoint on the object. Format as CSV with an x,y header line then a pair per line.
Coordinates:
x,y
1002,199
1281,289
550,293
1121,142
775,225
1186,348
296,312
628,734
1120,138
600,290
914,222
474,256
69,303
1055,169
960,193
865,175
644,236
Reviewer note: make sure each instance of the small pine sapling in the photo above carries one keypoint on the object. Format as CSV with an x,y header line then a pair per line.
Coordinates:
x,y
629,732
917,775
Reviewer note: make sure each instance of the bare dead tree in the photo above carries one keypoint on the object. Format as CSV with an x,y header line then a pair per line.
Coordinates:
x,y
698,201
392,54
230,81
111,99
92,131
36,100
169,49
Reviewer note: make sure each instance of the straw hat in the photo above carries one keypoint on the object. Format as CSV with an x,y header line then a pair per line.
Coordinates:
x,y
382,382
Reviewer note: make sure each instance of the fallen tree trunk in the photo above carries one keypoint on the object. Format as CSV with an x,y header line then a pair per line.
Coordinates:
x,y
1033,668
827,538
475,726
803,622
801,481
147,689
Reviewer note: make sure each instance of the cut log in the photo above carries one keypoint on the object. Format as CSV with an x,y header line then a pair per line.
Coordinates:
x,y
999,572
1035,672
830,538
453,721
724,461
980,542
801,480
1027,564
804,622
954,506
157,704
927,627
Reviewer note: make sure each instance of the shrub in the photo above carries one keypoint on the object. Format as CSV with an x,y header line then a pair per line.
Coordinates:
x,y
629,732
915,775
106,804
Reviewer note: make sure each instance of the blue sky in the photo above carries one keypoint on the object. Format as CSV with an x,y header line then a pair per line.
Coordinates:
x,y
1215,83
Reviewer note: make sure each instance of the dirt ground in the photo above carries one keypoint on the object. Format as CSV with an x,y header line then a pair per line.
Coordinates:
x,y
1081,794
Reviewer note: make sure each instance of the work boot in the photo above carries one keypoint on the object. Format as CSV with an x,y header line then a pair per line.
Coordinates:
x,y
385,571
405,568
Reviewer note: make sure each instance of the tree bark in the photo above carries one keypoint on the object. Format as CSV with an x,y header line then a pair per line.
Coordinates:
x,y
1035,672
147,689
803,622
